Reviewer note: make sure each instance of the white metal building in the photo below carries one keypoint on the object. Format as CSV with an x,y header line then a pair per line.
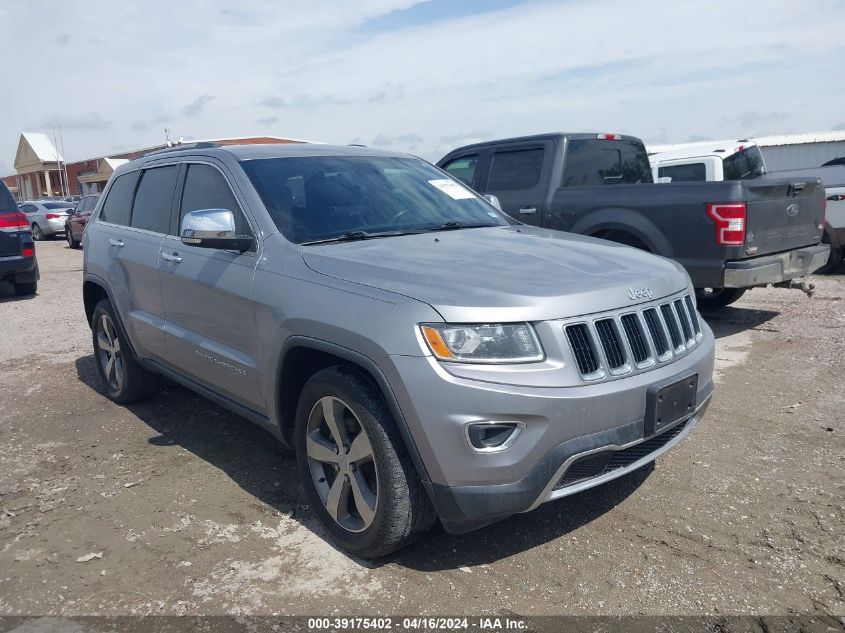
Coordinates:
x,y
788,151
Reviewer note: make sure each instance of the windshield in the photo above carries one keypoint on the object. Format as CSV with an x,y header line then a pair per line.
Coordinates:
x,y
746,163
317,198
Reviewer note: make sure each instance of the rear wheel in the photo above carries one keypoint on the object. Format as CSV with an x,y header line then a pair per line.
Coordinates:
x,y
716,298
37,233
833,260
126,381
354,466
26,288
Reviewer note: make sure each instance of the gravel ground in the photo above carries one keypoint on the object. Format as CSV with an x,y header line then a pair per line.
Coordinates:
x,y
176,506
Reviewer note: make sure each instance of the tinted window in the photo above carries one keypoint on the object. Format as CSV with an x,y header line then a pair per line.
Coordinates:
x,y
320,197
90,203
592,162
154,199
7,203
745,164
57,205
463,168
693,172
515,170
119,201
206,188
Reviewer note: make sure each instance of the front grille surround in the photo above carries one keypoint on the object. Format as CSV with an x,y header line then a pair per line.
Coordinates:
x,y
667,328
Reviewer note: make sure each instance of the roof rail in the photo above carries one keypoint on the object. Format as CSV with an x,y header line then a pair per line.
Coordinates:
x,y
179,146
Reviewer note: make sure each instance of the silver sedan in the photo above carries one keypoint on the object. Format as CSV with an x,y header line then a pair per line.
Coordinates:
x,y
47,217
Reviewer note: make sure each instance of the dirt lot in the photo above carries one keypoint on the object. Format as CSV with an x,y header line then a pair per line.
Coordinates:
x,y
187,509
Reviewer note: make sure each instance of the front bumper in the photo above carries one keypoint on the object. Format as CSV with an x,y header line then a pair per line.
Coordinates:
x,y
772,269
561,425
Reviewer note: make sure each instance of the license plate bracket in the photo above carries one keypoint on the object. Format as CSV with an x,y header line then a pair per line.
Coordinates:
x,y
666,404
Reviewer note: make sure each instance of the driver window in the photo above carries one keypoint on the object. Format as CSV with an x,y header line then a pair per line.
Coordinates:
x,y
206,188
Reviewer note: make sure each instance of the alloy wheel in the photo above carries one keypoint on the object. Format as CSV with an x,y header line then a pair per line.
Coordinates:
x,y
110,354
342,464
37,233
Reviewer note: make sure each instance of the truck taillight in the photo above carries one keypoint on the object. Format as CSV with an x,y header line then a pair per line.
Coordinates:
x,y
609,137
13,221
730,223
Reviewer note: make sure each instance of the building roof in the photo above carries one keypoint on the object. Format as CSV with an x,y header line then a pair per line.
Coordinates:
x,y
43,148
763,141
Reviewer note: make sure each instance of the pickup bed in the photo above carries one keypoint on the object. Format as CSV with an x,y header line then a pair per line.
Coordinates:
x,y
730,236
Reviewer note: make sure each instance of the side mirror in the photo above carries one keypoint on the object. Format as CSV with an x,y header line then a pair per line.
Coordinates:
x,y
493,200
213,228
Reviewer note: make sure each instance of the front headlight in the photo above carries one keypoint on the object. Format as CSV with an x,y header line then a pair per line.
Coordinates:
x,y
487,343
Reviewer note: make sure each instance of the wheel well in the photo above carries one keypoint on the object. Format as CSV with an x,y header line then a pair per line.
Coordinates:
x,y
300,363
622,237
92,294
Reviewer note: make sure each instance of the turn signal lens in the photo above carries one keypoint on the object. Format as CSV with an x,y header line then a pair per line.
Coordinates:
x,y
436,343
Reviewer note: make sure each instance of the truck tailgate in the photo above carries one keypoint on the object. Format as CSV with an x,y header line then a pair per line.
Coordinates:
x,y
783,214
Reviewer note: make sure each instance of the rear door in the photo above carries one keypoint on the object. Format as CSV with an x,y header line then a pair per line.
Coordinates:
x,y
518,175
783,215
210,322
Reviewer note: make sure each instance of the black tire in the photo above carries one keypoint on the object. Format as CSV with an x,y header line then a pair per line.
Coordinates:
x,y
833,261
403,509
70,241
25,289
717,298
135,382
37,233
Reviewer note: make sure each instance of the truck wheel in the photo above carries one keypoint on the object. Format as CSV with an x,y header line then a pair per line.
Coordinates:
x,y
832,262
126,381
715,298
25,289
355,469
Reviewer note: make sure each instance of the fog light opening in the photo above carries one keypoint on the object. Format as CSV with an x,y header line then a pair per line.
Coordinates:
x,y
491,437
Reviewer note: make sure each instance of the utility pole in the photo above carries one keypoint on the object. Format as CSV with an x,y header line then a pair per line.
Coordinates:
x,y
64,162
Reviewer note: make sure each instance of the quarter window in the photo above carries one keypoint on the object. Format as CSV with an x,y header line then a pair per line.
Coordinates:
x,y
515,170
118,203
206,188
463,168
154,199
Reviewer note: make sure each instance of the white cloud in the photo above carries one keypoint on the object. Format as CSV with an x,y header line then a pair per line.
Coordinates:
x,y
663,71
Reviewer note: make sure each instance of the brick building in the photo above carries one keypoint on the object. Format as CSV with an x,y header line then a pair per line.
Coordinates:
x,y
39,166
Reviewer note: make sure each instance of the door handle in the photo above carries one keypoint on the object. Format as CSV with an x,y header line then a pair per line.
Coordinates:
x,y
115,242
527,210
171,257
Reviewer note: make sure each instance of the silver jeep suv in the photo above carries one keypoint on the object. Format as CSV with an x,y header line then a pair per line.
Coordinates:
x,y
427,356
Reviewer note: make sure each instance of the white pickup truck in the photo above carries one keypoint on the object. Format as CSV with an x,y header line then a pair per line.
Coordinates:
x,y
741,160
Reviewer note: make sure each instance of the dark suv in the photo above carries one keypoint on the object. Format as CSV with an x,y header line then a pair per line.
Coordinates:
x,y
17,250
75,224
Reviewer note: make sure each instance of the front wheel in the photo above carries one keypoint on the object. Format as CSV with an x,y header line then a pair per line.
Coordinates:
x,y
72,243
716,298
354,466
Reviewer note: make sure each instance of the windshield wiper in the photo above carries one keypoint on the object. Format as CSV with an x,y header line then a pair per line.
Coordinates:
x,y
355,236
453,225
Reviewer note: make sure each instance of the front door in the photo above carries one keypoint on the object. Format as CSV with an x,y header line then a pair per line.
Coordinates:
x,y
210,324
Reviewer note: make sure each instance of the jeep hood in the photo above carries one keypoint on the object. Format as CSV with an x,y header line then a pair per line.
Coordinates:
x,y
501,273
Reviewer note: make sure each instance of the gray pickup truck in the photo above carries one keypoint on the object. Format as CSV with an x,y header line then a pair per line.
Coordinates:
x,y
730,236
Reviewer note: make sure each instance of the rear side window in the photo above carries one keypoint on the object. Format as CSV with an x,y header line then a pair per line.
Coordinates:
x,y
118,204
594,162
206,188
7,203
745,164
463,168
515,170
693,172
154,199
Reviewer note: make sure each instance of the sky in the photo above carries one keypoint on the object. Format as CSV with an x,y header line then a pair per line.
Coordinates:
x,y
419,76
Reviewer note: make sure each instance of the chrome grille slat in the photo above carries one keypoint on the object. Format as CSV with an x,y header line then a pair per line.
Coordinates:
x,y
612,345
672,325
636,338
